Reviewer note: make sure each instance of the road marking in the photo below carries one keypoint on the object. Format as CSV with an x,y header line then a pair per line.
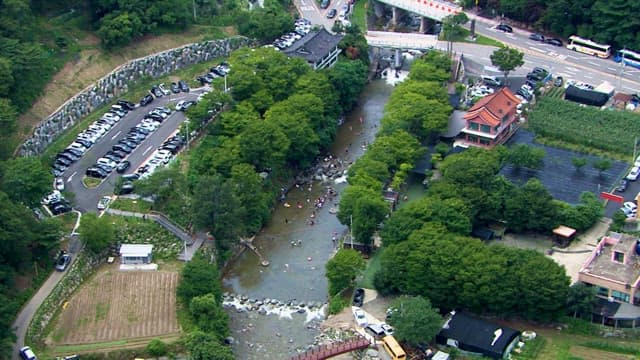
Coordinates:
x,y
594,64
612,69
116,135
573,57
587,76
538,50
71,176
146,151
306,8
485,59
571,69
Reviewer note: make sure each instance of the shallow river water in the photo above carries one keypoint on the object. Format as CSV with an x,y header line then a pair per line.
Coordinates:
x,y
296,272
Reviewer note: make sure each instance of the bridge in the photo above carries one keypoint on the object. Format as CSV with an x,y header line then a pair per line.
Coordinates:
x,y
334,349
433,9
396,40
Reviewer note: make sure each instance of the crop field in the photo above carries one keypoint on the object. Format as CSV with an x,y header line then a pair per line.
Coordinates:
x,y
118,305
586,128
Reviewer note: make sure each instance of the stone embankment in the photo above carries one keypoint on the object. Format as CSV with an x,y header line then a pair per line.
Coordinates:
x,y
118,81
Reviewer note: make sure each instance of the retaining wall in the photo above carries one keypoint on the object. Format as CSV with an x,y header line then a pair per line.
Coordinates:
x,y
118,81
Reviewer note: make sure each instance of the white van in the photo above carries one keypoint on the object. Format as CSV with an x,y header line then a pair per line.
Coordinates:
x,y
491,80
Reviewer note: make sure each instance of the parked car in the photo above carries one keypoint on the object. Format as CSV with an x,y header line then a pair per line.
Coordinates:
x,y
183,105
131,177
126,188
122,167
388,329
63,261
59,184
633,173
60,208
324,4
204,79
126,104
175,88
622,185
491,80
121,147
27,354
375,330
631,206
163,89
558,81
555,42
628,213
156,92
359,315
358,297
536,37
104,202
332,13
184,87
504,27
54,197
146,100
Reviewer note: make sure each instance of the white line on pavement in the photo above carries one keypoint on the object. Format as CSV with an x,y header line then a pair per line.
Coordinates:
x,y
594,64
146,151
612,69
116,135
71,176
573,57
587,76
632,89
538,50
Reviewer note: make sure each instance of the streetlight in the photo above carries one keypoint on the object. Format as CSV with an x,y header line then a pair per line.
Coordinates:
x,y
187,123
225,82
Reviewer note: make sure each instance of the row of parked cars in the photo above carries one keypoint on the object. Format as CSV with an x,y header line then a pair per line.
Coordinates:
x,y
161,157
302,28
90,136
220,70
158,91
56,203
114,159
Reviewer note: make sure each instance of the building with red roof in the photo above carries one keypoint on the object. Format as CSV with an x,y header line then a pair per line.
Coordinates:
x,y
492,120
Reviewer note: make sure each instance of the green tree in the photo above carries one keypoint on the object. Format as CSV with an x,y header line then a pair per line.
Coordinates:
x,y
578,162
209,315
602,165
6,76
26,180
96,232
118,29
415,322
199,277
264,145
156,348
507,59
349,200
531,208
265,24
451,28
348,78
248,189
368,213
581,299
523,155
342,270
205,346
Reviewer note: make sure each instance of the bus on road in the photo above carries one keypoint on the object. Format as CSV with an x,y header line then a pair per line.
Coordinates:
x,y
587,46
628,57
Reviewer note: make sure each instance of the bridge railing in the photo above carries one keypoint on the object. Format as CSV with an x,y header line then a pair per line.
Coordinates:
x,y
434,9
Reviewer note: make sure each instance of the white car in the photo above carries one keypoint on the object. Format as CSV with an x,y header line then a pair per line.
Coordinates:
x,y
55,196
59,184
104,202
631,206
634,173
388,329
78,146
104,161
360,316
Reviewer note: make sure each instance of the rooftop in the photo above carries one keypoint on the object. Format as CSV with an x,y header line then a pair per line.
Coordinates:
x,y
602,264
137,250
314,46
492,108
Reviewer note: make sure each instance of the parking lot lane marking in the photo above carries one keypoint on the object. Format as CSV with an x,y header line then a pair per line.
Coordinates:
x,y
612,69
588,77
116,135
146,151
71,176
594,64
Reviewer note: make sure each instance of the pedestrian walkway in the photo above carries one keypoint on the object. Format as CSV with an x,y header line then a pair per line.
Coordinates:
x,y
330,350
193,242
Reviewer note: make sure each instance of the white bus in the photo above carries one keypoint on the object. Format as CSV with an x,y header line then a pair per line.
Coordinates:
x,y
628,57
587,46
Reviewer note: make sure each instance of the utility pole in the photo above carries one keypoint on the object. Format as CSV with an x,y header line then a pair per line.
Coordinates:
x,y
194,9
351,229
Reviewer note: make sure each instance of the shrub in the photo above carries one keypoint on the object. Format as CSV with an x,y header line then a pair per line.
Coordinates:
x,y
336,304
157,348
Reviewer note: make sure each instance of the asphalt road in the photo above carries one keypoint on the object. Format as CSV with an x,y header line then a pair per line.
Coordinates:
x,y
310,10
87,199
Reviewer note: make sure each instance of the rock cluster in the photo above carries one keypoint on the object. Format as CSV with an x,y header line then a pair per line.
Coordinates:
x,y
267,306
118,81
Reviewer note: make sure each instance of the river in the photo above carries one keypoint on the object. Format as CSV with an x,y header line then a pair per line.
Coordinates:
x,y
298,250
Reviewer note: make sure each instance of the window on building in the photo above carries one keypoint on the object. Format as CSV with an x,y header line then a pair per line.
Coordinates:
x,y
473,126
495,129
472,138
484,141
618,257
485,128
603,291
620,296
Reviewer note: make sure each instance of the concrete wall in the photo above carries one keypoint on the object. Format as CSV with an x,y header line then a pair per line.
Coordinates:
x,y
118,81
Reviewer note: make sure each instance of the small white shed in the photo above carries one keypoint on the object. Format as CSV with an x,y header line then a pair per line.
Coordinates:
x,y
131,254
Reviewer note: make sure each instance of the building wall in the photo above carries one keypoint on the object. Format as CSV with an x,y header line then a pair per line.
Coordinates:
x,y
118,81
608,284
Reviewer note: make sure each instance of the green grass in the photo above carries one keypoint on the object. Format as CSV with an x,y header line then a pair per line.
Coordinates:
x,y
531,349
139,206
89,347
359,16
373,265
612,347
480,39
91,182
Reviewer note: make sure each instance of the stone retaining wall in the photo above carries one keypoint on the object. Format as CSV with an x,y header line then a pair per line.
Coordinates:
x,y
118,82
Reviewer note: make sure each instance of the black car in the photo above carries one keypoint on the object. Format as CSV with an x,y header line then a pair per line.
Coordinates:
x,y
63,261
134,139
555,42
61,209
131,177
105,168
504,27
184,87
117,154
121,147
143,169
535,76
175,88
146,100
332,13
358,297
126,188
204,79
64,161
123,166
622,186
59,167
68,155
85,143
558,82
112,157
324,4
174,148
126,104
128,143
141,130
536,37
154,116
96,172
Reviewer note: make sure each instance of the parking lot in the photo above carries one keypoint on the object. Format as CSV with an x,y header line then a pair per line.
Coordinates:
x,y
87,199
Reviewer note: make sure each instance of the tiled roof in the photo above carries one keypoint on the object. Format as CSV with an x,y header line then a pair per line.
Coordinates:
x,y
492,108
314,46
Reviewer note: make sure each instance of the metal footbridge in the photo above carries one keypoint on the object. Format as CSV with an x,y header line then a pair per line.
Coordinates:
x,y
433,9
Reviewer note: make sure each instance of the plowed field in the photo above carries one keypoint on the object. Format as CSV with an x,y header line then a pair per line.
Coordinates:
x,y
120,305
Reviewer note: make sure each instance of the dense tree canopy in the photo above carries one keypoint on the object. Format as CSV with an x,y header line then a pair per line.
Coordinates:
x,y
415,322
342,270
